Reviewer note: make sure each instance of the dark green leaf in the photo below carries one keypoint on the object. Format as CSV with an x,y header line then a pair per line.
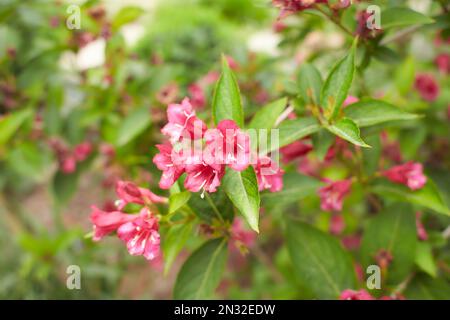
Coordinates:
x,y
173,243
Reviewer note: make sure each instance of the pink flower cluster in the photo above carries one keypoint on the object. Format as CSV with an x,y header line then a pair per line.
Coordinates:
x,y
364,295
138,231
291,6
67,157
203,154
409,174
427,87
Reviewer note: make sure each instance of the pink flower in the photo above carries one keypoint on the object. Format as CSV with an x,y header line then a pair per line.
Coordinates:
x,y
427,86
166,160
409,174
292,6
355,295
269,174
227,145
232,63
332,195
337,224
242,235
421,232
443,63
203,176
128,192
294,150
183,123
167,94
107,222
352,242
197,95
82,151
68,164
350,100
141,235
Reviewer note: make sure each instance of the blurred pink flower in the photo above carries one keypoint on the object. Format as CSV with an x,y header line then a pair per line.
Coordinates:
x,y
409,174
141,235
82,151
68,164
427,87
443,63
165,162
240,234
269,174
332,195
337,224
183,122
197,95
355,295
106,222
421,232
350,100
294,150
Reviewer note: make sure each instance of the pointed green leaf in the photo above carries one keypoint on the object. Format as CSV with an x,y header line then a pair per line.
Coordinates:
x,y
371,112
201,273
242,189
401,17
310,83
173,243
227,99
10,123
337,85
292,130
424,258
348,130
319,260
177,200
266,117
134,124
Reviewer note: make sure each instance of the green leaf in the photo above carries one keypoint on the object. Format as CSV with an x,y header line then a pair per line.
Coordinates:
x,y
10,123
404,75
201,273
227,99
424,258
265,117
177,200
134,124
348,130
174,242
319,260
64,186
424,287
401,17
126,15
295,188
242,189
203,209
337,85
310,83
394,231
371,112
371,156
428,197
292,130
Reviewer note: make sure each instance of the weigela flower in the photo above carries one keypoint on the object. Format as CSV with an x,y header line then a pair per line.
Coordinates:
x,y
228,145
68,164
291,6
240,234
166,161
106,222
268,174
128,192
443,63
197,95
332,195
409,174
427,87
383,258
355,295
294,150
203,176
183,123
350,100
141,235
167,94
337,224
82,151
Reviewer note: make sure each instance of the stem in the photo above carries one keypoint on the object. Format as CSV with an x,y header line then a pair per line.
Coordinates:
x,y
213,206
284,115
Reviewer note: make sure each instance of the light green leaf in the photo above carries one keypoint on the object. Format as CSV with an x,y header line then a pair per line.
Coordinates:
x,y
423,287
348,130
310,83
242,189
126,15
401,17
428,197
134,124
371,112
394,231
201,273
177,200
174,242
404,75
292,130
337,85
319,260
10,123
64,186
424,258
227,99
322,141
265,117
